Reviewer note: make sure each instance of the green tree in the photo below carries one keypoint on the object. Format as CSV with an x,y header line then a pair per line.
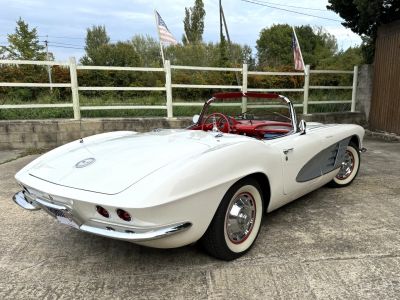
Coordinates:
x,y
208,55
274,46
223,46
193,23
122,54
148,49
2,52
24,43
96,39
343,59
364,17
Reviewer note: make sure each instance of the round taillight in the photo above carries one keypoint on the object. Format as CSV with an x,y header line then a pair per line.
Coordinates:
x,y
102,211
124,215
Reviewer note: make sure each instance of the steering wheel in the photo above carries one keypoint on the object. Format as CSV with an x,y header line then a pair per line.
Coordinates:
x,y
222,126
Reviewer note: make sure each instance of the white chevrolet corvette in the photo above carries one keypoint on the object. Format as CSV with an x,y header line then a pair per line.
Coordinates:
x,y
211,182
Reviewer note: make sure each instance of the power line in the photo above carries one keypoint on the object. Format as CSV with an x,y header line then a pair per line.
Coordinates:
x,y
63,44
288,10
68,47
63,37
70,38
293,6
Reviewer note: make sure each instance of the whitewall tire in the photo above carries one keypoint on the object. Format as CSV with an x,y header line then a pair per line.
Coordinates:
x,y
349,169
237,222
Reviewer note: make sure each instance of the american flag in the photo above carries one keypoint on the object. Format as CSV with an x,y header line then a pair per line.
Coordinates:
x,y
298,57
165,35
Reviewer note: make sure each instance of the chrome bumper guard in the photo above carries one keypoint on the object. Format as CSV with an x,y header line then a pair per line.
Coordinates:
x,y
24,201
132,234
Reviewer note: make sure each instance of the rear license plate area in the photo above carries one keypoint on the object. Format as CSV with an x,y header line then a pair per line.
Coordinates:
x,y
62,216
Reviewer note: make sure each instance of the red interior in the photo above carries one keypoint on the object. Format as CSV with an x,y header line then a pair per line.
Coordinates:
x,y
254,128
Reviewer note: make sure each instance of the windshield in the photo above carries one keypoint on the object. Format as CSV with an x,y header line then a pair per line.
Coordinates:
x,y
262,116
256,109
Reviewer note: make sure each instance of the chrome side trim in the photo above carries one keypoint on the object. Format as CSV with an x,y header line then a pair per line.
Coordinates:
x,y
22,200
150,234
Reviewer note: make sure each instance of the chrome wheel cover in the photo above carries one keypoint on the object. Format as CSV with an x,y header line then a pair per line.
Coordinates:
x,y
240,217
347,166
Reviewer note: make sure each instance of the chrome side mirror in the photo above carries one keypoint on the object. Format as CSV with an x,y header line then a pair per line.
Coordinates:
x,y
302,127
195,119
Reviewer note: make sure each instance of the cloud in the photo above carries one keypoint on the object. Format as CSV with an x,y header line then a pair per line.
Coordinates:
x,y
125,18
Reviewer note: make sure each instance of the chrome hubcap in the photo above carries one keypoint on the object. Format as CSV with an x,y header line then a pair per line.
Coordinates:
x,y
347,166
240,218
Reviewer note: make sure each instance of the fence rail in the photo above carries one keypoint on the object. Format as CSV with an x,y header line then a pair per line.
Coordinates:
x,y
169,86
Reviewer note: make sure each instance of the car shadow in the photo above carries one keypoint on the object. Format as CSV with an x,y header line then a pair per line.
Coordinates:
x,y
188,256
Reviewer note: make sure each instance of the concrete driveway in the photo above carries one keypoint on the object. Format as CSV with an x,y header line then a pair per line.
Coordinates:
x,y
332,243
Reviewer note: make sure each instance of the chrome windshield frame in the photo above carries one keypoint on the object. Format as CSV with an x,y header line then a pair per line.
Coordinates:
x,y
284,99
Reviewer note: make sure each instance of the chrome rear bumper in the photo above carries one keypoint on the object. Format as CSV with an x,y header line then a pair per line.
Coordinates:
x,y
135,236
24,201
111,230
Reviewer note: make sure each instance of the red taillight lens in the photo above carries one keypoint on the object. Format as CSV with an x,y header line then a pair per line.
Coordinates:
x,y
102,211
124,215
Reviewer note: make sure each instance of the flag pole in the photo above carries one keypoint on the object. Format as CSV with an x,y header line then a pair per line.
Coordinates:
x,y
301,54
186,38
159,38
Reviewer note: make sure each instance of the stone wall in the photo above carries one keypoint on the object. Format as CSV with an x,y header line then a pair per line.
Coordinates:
x,y
52,133
364,89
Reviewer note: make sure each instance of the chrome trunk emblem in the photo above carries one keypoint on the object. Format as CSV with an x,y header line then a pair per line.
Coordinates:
x,y
85,162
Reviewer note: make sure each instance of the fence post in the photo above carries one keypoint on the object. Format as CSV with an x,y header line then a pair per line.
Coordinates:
x,y
354,91
74,88
306,89
244,87
168,87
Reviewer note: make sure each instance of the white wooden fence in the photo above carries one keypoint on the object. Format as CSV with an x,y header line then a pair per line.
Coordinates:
x,y
169,86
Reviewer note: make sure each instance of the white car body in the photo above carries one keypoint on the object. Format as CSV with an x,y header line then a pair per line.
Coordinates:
x,y
172,181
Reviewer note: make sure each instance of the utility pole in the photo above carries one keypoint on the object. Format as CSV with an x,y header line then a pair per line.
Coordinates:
x,y
48,58
220,22
222,17
226,27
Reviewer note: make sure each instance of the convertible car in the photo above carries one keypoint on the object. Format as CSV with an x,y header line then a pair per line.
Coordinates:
x,y
243,156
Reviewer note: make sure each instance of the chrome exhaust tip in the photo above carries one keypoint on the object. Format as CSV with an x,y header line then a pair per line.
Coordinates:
x,y
22,201
363,150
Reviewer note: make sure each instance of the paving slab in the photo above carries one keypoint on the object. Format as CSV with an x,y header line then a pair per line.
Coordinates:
x,y
8,155
330,244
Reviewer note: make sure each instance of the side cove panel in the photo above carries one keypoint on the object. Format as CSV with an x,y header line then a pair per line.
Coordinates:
x,y
324,162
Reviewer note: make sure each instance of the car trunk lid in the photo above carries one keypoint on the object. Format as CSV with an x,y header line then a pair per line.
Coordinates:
x,y
113,165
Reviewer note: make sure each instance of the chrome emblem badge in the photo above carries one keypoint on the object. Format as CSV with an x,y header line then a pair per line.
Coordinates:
x,y
85,162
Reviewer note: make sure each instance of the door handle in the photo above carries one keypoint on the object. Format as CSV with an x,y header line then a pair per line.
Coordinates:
x,y
286,151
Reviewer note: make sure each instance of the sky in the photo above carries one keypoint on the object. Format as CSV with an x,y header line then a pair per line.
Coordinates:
x,y
65,21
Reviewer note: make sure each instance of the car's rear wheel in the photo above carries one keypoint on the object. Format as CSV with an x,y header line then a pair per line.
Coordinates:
x,y
237,222
349,169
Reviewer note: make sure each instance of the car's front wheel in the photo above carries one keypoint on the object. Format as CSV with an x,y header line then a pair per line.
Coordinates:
x,y
349,168
237,222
